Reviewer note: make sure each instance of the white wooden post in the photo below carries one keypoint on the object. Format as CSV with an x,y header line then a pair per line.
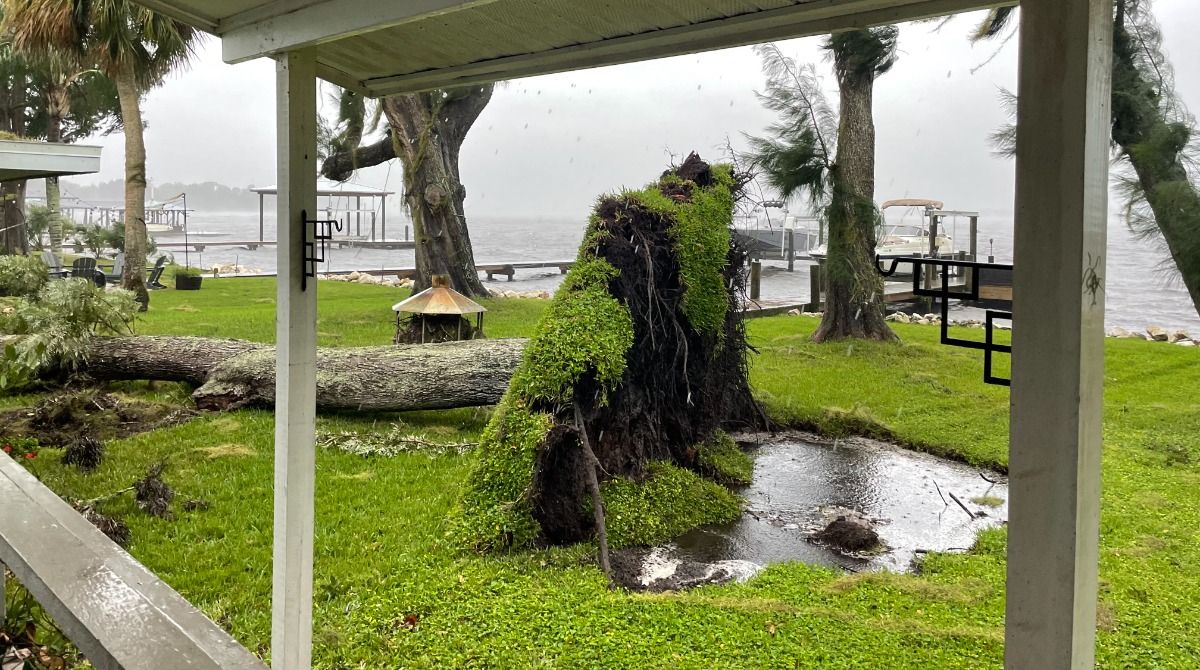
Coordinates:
x,y
295,366
1058,333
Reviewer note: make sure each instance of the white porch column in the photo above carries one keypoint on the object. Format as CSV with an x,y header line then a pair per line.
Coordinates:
x,y
295,366
1058,337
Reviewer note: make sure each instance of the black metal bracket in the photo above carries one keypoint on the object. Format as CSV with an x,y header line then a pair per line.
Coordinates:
x,y
944,293
315,232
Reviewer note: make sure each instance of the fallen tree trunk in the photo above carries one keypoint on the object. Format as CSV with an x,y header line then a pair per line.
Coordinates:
x,y
236,373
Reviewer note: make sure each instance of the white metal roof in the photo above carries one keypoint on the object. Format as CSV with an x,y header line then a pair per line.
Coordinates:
x,y
381,47
30,160
326,187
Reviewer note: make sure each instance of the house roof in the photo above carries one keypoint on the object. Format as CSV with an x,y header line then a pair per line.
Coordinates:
x,y
29,160
380,48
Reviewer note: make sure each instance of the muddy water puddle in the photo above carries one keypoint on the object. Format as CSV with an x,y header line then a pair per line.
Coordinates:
x,y
802,482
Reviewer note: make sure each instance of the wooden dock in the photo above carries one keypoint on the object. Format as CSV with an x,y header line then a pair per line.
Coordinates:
x,y
373,244
200,245
507,268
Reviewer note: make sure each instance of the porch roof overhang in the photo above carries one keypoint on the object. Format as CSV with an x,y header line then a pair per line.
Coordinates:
x,y
382,48
36,160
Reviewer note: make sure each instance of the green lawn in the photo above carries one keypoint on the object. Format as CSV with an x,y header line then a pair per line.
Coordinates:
x,y
382,553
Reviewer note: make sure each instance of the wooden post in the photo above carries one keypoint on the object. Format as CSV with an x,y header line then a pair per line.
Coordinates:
x,y
1063,121
383,217
814,286
974,238
755,278
295,366
261,217
790,248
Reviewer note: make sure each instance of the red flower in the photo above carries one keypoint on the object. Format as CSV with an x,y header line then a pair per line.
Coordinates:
x,y
8,448
31,455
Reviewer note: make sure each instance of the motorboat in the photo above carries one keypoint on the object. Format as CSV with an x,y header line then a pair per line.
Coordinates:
x,y
896,240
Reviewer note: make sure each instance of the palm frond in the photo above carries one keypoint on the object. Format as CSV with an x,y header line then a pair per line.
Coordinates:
x,y
796,154
996,22
869,52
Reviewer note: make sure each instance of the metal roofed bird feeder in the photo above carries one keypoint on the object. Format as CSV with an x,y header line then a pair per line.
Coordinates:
x,y
437,314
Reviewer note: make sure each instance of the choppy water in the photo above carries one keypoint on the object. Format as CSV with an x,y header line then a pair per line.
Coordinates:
x,y
1139,293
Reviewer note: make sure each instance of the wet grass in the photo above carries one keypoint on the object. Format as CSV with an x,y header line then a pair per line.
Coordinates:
x,y
391,592
349,315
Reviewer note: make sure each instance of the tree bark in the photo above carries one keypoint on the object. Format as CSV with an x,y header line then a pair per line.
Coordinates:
x,y
58,102
133,277
854,297
339,167
427,131
236,373
14,237
1156,148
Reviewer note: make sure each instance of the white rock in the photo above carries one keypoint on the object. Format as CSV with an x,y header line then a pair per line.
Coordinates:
x,y
1179,336
353,276
898,317
1185,343
1158,333
1120,332
793,312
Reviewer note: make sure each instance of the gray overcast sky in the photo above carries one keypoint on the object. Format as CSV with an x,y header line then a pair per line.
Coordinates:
x,y
549,145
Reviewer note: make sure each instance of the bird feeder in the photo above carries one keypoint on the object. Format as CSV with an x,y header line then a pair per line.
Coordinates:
x,y
437,314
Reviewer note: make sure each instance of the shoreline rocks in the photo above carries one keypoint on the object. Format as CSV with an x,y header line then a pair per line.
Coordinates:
x,y
1150,334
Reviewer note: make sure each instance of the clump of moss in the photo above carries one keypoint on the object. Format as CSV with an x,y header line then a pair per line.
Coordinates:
x,y
701,239
668,502
495,511
584,330
721,459
703,249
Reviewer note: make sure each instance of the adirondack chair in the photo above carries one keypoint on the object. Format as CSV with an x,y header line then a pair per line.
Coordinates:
x,y
117,268
84,267
156,272
54,263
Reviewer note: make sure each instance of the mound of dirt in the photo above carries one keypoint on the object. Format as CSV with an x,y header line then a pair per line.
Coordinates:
x,y
849,533
62,420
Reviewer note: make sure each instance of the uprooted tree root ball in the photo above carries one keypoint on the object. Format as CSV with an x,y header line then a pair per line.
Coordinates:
x,y
644,342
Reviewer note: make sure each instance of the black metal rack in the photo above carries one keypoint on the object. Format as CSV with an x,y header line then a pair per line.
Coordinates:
x,y
316,233
969,291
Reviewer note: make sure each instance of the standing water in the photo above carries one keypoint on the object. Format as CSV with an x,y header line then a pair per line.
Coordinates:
x,y
802,482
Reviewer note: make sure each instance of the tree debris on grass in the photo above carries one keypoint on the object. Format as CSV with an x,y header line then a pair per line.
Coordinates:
x,y
152,494
85,453
396,440
61,420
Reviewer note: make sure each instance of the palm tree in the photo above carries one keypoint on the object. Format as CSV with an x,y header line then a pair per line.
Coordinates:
x,y
426,132
1151,132
833,163
135,48
78,102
